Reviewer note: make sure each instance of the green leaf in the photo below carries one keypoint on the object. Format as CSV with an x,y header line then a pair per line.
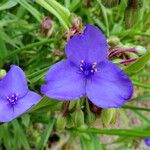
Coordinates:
x,y
8,4
20,135
135,108
54,11
141,116
141,84
45,103
29,46
138,65
139,132
3,50
108,116
121,132
91,144
31,9
34,77
6,136
64,12
46,135
140,98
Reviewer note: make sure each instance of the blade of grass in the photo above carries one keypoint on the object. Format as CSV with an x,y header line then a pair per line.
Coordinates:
x,y
140,84
31,9
29,46
120,132
141,116
21,137
46,135
45,5
8,4
138,65
135,108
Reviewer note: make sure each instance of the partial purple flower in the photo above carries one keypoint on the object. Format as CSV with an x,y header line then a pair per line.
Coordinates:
x,y
147,141
87,72
15,97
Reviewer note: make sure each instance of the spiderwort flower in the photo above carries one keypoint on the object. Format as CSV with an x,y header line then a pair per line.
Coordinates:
x,y
15,97
87,72
147,141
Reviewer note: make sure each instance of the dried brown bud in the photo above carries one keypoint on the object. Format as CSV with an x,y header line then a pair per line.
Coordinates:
x,y
75,28
46,26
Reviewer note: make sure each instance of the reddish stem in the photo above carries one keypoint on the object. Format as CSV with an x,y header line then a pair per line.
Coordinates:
x,y
66,108
122,51
128,61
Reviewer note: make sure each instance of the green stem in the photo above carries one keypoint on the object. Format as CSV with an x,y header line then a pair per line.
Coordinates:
x,y
119,132
135,108
29,46
140,84
87,105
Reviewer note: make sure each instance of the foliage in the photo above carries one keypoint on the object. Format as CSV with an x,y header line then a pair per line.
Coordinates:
x,y
22,43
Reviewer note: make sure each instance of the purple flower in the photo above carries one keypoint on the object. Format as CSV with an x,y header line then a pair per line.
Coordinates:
x,y
15,97
87,72
147,141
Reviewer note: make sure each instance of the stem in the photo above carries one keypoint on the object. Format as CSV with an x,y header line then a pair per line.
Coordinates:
x,y
140,84
87,104
122,51
66,108
120,132
29,46
128,61
135,108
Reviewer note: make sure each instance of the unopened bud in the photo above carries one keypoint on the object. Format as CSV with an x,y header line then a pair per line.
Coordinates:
x,y
132,55
78,118
72,105
110,3
90,118
2,73
75,28
108,116
61,123
46,26
141,50
113,41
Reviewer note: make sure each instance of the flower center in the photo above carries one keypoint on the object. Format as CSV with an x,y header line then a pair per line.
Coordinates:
x,y
12,98
88,69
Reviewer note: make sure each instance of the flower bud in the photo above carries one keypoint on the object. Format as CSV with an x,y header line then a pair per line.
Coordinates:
x,y
72,105
108,116
132,55
61,122
90,118
113,41
141,50
2,73
46,26
78,118
110,3
75,28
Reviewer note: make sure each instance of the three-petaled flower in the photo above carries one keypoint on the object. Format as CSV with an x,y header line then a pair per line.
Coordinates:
x,y
87,72
15,97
